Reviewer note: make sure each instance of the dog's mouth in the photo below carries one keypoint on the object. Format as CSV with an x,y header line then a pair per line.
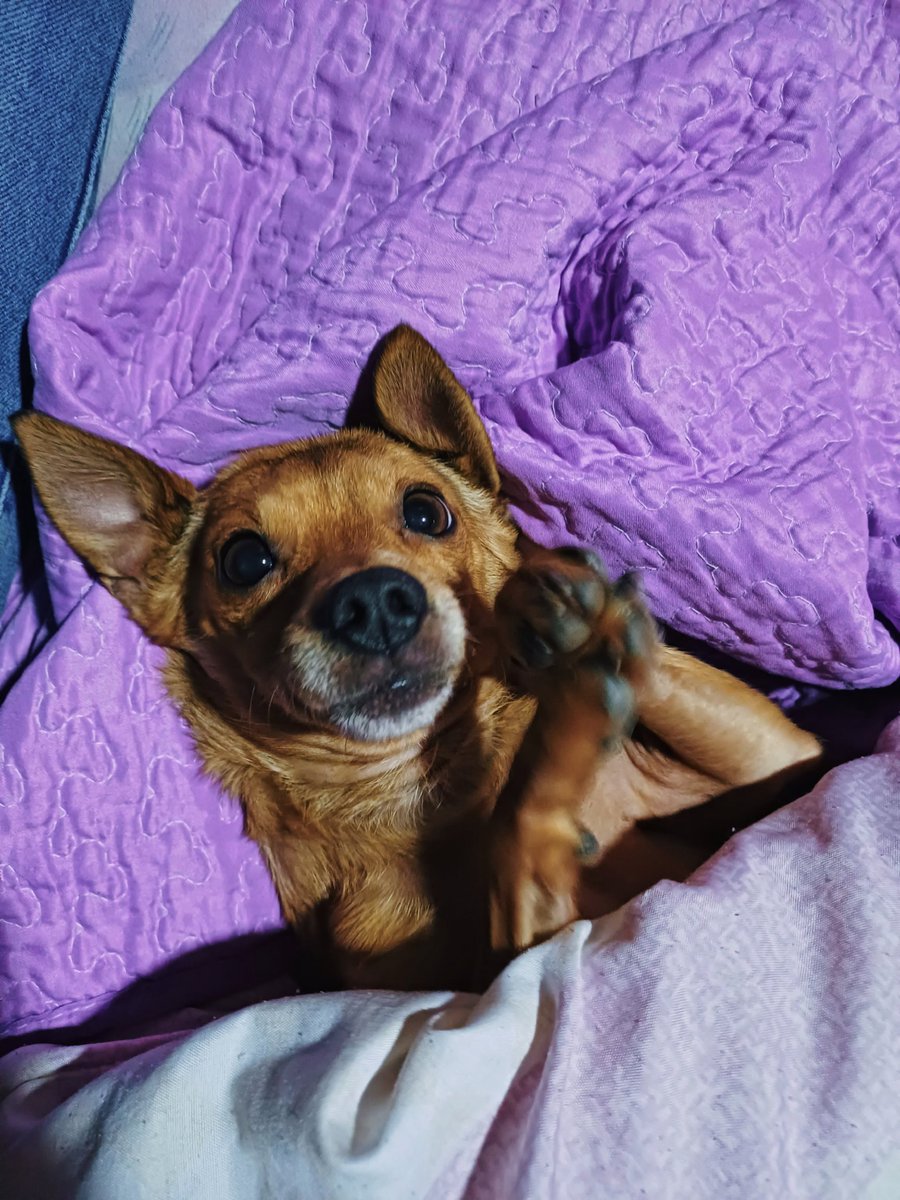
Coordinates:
x,y
403,703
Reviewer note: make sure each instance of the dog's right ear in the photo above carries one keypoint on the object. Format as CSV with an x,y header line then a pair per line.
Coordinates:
x,y
421,402
121,513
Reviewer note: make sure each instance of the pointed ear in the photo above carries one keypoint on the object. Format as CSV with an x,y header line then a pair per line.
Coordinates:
x,y
421,402
120,512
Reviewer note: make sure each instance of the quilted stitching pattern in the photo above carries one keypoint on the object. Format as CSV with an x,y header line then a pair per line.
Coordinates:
x,y
118,854
658,245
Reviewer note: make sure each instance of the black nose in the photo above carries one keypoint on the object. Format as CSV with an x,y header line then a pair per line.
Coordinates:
x,y
376,611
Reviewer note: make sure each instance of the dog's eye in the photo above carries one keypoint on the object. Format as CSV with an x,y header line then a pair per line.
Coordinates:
x,y
425,512
245,559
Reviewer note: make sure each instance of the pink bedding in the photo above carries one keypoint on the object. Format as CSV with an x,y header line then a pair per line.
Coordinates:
x,y
734,1037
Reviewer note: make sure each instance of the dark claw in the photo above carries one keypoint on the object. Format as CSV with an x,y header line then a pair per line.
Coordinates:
x,y
587,592
536,653
556,584
584,556
628,586
587,844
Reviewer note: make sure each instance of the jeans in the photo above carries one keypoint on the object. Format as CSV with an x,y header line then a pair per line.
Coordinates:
x,y
57,68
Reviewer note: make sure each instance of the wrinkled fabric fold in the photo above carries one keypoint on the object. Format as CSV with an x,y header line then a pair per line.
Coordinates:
x,y
734,1036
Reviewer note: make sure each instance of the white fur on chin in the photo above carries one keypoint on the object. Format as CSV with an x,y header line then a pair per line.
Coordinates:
x,y
364,728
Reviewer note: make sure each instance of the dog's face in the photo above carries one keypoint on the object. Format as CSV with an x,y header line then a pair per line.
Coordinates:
x,y
339,581
345,582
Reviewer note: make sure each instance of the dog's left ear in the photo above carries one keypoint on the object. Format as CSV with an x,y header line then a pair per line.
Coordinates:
x,y
421,402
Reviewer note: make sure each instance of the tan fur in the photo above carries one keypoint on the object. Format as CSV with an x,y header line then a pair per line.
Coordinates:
x,y
420,859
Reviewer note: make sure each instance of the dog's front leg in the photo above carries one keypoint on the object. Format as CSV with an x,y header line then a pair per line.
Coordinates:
x,y
302,872
584,648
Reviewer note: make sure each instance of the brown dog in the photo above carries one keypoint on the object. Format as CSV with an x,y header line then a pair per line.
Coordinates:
x,y
415,707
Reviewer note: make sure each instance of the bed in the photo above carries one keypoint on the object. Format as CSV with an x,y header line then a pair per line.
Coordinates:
x,y
658,244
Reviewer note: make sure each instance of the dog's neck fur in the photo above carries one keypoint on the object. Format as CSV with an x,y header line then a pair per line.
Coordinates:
x,y
361,826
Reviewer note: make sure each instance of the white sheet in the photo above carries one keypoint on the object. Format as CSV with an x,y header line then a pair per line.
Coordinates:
x,y
737,1036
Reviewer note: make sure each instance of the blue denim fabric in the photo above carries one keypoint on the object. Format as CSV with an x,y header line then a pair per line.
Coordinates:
x,y
57,66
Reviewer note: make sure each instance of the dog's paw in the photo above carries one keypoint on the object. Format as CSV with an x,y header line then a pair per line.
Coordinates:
x,y
534,878
584,646
565,624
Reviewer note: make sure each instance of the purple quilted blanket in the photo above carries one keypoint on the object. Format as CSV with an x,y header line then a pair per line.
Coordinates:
x,y
659,244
